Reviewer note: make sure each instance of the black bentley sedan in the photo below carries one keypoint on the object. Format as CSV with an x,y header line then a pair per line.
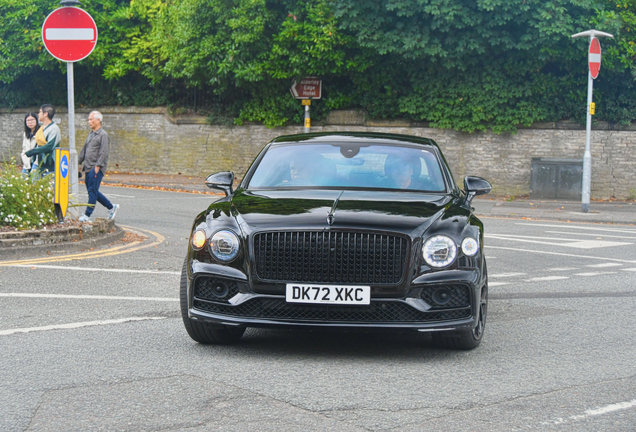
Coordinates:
x,y
343,231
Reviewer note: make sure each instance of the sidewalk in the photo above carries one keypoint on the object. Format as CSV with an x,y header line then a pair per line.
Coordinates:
x,y
617,212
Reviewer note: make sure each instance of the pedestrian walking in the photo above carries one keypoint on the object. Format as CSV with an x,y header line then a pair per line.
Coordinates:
x,y
47,138
94,156
31,126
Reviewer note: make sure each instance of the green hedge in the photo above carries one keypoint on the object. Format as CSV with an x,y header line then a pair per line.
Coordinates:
x,y
460,64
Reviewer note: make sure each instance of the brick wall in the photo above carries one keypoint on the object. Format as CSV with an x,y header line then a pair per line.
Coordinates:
x,y
147,140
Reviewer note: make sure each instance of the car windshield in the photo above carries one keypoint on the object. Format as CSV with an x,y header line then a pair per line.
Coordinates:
x,y
349,166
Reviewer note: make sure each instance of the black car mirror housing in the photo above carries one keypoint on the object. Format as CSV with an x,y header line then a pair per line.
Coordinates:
x,y
222,181
474,186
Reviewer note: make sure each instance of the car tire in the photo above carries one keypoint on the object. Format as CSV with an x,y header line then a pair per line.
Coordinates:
x,y
467,339
202,332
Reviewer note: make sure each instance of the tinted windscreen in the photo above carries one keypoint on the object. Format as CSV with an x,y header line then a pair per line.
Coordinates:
x,y
347,166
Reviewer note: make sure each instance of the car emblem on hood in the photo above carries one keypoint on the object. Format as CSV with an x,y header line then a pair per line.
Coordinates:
x,y
330,216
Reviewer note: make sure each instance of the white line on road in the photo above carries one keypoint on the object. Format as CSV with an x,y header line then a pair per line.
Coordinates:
x,y
499,275
494,284
580,244
562,254
95,269
630,269
75,325
590,235
563,268
604,265
547,278
593,273
617,230
598,411
85,297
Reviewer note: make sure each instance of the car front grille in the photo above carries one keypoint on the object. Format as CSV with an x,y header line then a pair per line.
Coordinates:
x,y
330,257
376,312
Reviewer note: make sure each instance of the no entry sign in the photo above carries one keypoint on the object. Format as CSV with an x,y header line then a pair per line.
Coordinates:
x,y
594,57
69,34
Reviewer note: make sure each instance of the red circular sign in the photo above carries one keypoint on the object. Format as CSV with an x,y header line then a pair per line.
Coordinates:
x,y
594,57
69,34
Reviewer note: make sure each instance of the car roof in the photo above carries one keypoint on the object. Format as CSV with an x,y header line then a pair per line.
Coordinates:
x,y
354,138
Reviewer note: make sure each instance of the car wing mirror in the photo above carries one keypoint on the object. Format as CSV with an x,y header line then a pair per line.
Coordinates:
x,y
475,186
221,180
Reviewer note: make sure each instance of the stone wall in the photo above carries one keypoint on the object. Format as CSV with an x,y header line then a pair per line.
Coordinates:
x,y
149,141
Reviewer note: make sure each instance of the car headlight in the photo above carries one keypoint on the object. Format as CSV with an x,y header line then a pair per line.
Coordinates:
x,y
439,251
224,245
198,239
470,246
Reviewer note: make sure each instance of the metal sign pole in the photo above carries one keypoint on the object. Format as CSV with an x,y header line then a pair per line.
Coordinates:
x,y
587,157
71,128
307,119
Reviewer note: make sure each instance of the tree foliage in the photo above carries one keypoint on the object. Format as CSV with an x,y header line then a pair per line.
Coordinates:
x,y
462,64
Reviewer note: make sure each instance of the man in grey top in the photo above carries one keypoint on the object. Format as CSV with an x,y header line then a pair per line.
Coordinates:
x,y
94,155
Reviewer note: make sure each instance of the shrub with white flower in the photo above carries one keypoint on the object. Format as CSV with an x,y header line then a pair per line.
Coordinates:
x,y
25,201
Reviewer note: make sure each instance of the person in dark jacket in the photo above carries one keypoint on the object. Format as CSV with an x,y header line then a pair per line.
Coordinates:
x,y
94,156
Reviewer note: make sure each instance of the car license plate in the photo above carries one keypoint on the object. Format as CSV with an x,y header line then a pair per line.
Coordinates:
x,y
328,294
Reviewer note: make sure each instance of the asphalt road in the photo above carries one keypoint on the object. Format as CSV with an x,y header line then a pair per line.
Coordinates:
x,y
94,341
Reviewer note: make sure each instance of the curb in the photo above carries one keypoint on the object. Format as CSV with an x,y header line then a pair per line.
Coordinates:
x,y
74,238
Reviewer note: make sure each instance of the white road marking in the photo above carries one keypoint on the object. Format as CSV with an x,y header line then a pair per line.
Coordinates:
x,y
598,411
562,254
547,278
579,244
593,273
591,235
117,195
494,284
499,275
615,230
630,269
95,269
604,265
564,268
75,325
86,297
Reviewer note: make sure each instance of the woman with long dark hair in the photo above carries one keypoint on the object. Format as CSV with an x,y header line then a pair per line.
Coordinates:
x,y
31,126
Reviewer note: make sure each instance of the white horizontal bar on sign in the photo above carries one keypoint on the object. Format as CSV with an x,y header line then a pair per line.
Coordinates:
x,y
594,58
69,34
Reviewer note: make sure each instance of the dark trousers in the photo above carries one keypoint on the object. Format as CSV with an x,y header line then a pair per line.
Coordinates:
x,y
93,181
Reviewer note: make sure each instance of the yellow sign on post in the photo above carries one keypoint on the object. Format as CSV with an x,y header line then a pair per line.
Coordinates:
x,y
61,181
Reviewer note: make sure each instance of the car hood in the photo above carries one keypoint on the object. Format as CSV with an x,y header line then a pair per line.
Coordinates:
x,y
404,212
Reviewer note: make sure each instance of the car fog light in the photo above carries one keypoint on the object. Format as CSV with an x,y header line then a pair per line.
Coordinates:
x,y
439,251
224,245
198,239
470,246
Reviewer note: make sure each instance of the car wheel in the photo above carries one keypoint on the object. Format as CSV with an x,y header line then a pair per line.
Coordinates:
x,y
202,332
467,339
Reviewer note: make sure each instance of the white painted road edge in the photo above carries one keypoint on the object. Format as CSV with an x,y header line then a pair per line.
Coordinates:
x,y
95,269
75,325
86,297
598,411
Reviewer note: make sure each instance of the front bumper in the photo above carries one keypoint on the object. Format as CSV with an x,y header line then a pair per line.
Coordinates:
x,y
240,307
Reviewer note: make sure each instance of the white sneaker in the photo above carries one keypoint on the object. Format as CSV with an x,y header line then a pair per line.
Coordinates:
x,y
112,212
84,218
